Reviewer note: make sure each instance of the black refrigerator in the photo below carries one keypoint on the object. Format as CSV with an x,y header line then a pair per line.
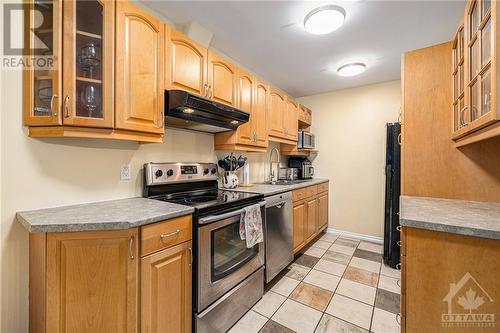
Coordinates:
x,y
392,193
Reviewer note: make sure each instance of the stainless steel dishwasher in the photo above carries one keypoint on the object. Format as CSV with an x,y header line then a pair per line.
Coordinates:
x,y
279,234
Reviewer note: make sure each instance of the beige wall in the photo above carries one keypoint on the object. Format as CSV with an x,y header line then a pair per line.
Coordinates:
x,y
350,136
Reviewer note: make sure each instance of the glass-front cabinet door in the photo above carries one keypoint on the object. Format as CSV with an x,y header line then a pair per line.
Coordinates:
x,y
88,63
458,80
480,99
42,81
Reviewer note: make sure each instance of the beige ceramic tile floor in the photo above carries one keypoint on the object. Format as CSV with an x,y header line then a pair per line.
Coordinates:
x,y
336,285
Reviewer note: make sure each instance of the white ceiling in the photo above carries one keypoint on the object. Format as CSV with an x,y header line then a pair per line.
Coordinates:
x,y
268,38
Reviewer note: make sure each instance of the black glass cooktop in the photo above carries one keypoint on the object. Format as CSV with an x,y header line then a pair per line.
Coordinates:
x,y
204,201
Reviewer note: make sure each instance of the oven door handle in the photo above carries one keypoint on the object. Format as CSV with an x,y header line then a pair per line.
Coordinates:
x,y
213,218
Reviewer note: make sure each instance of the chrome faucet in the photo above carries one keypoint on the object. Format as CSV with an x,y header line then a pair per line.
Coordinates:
x,y
271,172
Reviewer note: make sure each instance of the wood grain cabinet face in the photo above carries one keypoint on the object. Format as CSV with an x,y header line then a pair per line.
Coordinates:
x,y
186,64
43,87
291,119
299,225
166,290
260,113
323,211
312,218
222,80
276,113
88,41
245,91
140,39
92,281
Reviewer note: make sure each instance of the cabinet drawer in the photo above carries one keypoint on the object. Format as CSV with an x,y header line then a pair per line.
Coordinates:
x,y
164,234
305,192
323,187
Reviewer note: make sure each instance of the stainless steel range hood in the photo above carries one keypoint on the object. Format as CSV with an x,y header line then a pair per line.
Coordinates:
x,y
196,113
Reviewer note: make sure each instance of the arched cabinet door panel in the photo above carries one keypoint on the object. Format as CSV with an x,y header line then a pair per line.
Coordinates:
x,y
140,39
222,77
186,64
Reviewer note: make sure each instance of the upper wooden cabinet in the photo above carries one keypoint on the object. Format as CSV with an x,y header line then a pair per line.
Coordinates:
x,y
291,118
140,60
222,80
43,87
283,118
252,97
111,54
260,113
186,64
277,109
305,116
88,45
475,58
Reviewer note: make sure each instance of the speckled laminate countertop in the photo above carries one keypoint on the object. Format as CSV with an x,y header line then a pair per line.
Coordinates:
x,y
105,215
268,189
472,218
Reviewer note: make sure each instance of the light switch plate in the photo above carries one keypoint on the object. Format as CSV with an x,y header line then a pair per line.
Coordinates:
x,y
125,172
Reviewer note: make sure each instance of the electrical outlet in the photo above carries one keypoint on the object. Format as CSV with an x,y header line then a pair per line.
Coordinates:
x,y
125,172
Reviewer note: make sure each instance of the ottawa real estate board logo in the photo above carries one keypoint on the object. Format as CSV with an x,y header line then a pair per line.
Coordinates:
x,y
468,305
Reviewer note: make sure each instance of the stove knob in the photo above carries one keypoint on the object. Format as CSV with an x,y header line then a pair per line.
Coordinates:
x,y
158,173
206,171
213,171
170,172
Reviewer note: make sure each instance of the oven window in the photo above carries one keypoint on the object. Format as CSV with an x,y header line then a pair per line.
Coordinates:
x,y
229,252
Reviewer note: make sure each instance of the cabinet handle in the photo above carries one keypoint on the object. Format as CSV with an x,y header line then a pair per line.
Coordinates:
x,y
399,139
162,236
131,247
210,92
190,257
54,112
66,106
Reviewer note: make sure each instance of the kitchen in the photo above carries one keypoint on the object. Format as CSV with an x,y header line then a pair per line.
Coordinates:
x,y
83,144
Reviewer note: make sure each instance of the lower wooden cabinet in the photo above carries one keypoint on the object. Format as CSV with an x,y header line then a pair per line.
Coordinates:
x,y
166,290
449,282
323,210
84,281
299,225
310,214
312,218
91,281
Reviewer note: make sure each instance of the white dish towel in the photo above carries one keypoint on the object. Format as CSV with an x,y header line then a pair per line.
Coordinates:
x,y
251,225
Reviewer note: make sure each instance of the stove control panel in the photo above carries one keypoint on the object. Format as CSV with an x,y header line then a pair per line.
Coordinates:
x,y
165,173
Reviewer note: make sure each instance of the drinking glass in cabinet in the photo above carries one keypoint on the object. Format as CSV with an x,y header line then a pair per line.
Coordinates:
x,y
90,98
89,58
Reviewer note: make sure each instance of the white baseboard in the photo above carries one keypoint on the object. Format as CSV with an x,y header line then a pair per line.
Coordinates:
x,y
373,239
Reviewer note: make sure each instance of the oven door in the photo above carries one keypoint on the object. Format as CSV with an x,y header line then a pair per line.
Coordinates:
x,y
223,258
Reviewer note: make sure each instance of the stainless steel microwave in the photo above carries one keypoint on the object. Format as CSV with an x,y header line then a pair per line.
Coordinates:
x,y
305,140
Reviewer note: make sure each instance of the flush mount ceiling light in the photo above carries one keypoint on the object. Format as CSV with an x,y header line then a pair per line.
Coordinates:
x,y
351,69
324,19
